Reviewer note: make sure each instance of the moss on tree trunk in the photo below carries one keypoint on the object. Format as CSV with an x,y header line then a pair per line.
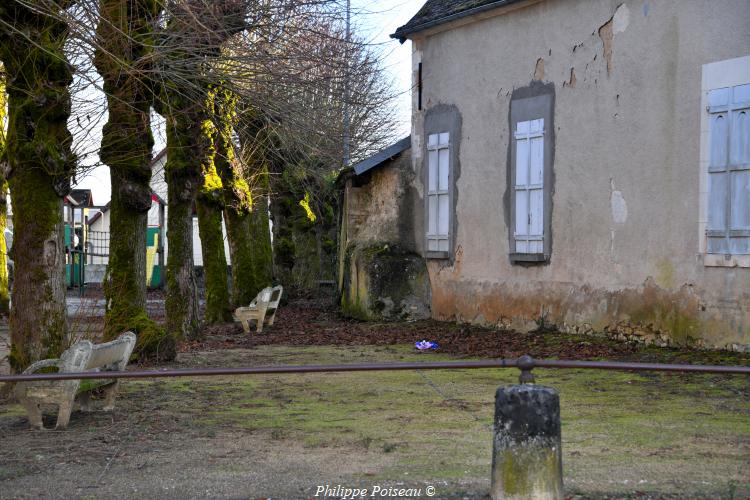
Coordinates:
x,y
125,36
209,207
183,178
304,231
4,278
40,166
4,282
214,263
246,216
250,249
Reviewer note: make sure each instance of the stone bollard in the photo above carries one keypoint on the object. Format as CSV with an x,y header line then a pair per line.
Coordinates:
x,y
527,451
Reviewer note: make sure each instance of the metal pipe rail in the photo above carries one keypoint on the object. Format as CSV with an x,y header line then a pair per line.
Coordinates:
x,y
524,363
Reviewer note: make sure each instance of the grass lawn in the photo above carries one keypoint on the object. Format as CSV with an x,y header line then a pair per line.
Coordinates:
x,y
624,434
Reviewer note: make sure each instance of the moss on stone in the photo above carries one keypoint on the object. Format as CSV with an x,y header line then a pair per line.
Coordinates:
x,y
382,281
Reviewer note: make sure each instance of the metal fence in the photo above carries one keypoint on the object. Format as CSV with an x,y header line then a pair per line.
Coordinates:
x,y
525,363
97,244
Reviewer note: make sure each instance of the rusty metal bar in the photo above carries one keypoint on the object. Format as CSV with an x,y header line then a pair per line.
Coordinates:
x,y
660,367
525,363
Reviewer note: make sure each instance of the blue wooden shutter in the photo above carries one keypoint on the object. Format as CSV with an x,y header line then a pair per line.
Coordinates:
x,y
529,187
438,192
728,230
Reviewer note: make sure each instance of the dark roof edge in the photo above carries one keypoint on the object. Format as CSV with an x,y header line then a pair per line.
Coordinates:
x,y
382,156
400,33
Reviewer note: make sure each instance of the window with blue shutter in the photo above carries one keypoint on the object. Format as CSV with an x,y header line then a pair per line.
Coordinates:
x,y
529,187
529,177
728,229
438,192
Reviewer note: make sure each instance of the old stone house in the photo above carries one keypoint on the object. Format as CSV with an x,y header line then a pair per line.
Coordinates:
x,y
381,274
584,164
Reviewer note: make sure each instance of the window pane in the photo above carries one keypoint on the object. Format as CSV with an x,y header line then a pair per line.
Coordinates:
x,y
443,214
537,212
522,162
740,199
719,97
432,245
444,138
444,162
432,140
432,173
718,141
717,245
717,201
522,247
739,246
432,214
522,127
742,93
537,160
535,247
536,125
740,138
522,214
442,245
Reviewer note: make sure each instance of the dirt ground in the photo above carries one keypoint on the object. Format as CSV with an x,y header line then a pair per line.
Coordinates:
x,y
625,435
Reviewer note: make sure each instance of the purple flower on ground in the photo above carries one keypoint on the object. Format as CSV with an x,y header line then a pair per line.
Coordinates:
x,y
424,345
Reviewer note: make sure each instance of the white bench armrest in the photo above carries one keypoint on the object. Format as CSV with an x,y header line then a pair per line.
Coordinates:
x,y
45,363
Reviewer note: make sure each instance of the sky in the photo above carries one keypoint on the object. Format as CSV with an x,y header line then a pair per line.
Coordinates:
x,y
375,20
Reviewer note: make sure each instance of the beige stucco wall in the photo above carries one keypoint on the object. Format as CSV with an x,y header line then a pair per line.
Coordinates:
x,y
373,208
625,138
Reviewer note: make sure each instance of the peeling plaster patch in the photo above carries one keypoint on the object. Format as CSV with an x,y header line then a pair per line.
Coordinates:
x,y
618,23
572,81
621,19
619,205
539,70
607,35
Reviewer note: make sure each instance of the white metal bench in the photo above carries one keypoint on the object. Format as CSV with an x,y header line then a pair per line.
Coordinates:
x,y
83,356
262,309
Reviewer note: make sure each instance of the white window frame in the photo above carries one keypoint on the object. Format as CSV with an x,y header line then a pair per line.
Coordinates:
x,y
717,75
437,143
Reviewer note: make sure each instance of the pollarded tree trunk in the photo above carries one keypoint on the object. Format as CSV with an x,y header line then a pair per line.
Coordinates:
x,y
246,218
4,278
249,247
4,282
40,166
260,232
209,206
183,178
203,27
214,262
125,37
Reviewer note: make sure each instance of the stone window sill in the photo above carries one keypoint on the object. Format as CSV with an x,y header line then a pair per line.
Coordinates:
x,y
437,255
720,260
528,257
